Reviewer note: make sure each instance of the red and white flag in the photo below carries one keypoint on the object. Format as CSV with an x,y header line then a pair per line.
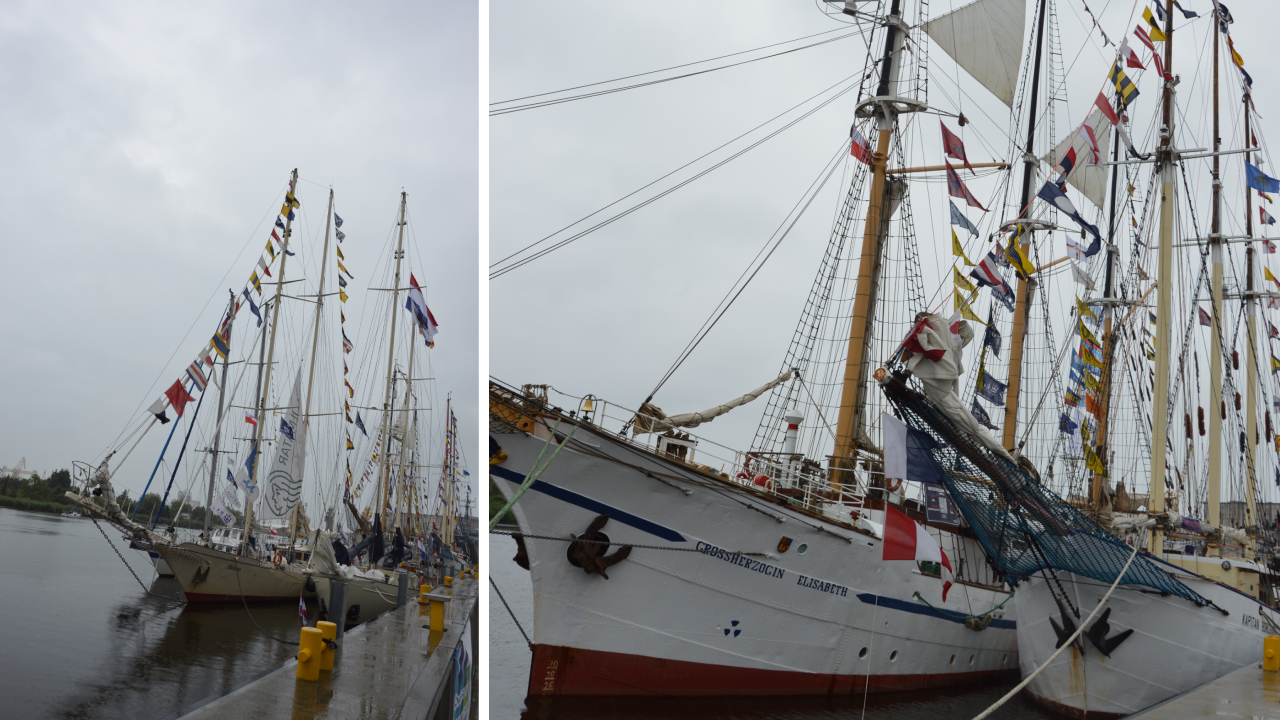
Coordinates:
x,y
249,418
1130,57
954,147
860,147
905,539
1146,40
1086,132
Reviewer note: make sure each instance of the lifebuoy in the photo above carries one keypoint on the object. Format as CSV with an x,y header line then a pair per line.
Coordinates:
x,y
277,559
894,484
743,476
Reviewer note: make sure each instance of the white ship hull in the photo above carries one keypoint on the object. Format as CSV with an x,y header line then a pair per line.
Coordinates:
x,y
366,599
1175,646
826,616
209,575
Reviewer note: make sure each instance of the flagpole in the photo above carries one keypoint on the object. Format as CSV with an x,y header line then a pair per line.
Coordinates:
x,y
1164,298
311,373
217,430
271,352
1022,289
1214,483
391,349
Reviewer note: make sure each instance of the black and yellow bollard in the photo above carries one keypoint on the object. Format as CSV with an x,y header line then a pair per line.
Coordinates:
x,y
328,631
309,647
1271,653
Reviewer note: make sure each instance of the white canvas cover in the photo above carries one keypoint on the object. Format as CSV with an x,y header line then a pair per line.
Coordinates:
x,y
985,38
1089,179
651,419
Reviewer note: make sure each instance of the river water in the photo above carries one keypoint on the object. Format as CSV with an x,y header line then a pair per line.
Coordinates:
x,y
509,677
81,639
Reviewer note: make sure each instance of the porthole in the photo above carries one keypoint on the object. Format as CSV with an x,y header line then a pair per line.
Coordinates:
x,y
862,653
802,549
953,660
893,656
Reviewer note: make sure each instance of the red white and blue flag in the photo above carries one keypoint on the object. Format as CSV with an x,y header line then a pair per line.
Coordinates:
x,y
302,605
956,189
859,147
987,274
1204,318
905,539
1265,217
421,313
196,373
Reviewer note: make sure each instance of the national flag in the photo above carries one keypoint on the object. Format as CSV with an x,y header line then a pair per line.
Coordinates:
x,y
360,424
992,339
1265,217
956,250
957,189
302,605
1259,180
1075,253
178,397
958,218
1142,35
953,147
421,313
965,311
196,373
337,221
905,539
1130,57
1156,33
992,390
1053,195
157,408
347,345
253,308
286,429
1205,320
980,415
859,147
908,453
961,282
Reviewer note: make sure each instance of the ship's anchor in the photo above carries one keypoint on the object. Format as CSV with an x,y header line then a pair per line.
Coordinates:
x,y
588,551
1098,635
202,574
522,553
1067,629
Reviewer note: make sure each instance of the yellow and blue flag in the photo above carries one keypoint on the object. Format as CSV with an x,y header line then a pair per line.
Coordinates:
x,y
1125,88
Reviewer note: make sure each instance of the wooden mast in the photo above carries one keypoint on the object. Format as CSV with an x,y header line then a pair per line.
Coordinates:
x,y
217,429
1214,484
847,431
1164,295
271,351
1251,312
311,373
391,349
1022,290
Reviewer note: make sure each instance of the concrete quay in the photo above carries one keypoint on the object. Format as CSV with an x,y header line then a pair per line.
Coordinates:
x,y
391,667
1249,692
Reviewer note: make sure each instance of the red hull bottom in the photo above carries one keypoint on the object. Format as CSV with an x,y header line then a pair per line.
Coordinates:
x,y
1072,712
565,671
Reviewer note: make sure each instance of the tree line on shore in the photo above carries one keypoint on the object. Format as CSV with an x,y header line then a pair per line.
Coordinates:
x,y
36,494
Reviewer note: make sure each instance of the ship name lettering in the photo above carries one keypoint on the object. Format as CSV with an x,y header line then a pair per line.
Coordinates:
x,y
740,560
1250,621
822,586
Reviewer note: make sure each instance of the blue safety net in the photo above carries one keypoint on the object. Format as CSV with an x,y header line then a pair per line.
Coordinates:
x,y
1022,525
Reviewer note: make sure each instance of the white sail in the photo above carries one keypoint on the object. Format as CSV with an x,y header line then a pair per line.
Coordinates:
x,y
1087,177
985,38
284,480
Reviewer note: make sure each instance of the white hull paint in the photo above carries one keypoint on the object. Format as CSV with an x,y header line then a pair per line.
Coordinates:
x,y
371,598
810,613
209,575
1175,646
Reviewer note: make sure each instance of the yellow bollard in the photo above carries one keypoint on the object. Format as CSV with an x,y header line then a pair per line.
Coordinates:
x,y
448,582
309,654
422,594
437,616
1271,653
328,631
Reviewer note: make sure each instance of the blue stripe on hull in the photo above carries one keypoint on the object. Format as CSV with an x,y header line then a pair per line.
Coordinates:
x,y
587,503
905,606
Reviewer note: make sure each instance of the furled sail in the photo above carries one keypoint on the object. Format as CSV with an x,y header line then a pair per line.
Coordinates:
x,y
985,38
650,419
1087,177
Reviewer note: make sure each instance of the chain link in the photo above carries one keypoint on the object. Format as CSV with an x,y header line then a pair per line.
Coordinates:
x,y
127,565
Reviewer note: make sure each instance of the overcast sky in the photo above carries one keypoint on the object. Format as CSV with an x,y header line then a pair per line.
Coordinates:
x,y
146,150
609,313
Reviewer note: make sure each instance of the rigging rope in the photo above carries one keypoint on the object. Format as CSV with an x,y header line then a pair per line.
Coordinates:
x,y
511,613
